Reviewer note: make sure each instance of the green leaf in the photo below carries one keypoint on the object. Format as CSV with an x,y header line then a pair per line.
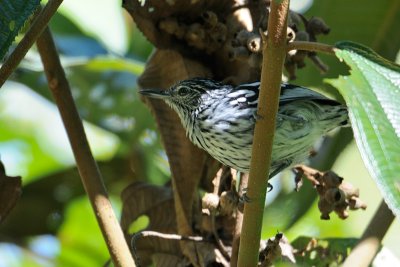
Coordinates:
x,y
80,237
372,94
13,14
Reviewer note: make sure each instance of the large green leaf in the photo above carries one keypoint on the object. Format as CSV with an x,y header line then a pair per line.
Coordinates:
x,y
372,94
13,14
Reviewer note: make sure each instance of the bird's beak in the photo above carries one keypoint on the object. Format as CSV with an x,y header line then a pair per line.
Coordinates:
x,y
155,93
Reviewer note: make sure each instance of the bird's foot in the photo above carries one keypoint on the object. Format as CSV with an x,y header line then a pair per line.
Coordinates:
x,y
269,187
257,116
245,199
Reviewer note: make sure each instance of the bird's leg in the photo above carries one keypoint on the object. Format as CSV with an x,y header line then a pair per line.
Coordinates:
x,y
280,168
244,198
286,163
256,116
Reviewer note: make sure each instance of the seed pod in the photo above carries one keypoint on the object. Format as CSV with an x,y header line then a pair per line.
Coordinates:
x,y
254,43
294,20
331,180
240,53
334,196
290,34
242,37
263,23
349,190
325,208
290,67
169,25
210,201
356,203
218,33
228,202
235,43
302,36
317,26
210,19
255,60
195,35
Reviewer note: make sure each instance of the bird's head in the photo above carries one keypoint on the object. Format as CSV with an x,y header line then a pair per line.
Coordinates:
x,y
185,96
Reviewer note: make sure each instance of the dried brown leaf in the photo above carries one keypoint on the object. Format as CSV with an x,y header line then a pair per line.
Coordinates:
x,y
165,68
157,203
10,191
147,14
154,201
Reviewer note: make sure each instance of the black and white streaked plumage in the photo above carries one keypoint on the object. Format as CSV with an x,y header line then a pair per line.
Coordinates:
x,y
220,119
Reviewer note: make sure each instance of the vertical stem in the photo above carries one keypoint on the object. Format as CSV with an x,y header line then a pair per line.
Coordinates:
x,y
365,251
88,169
274,51
244,179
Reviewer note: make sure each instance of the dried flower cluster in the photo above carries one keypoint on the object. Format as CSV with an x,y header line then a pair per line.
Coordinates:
x,y
275,248
209,34
334,193
247,46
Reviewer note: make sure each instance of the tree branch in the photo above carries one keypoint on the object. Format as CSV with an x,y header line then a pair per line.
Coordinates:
x,y
274,51
311,46
88,169
244,180
30,37
365,251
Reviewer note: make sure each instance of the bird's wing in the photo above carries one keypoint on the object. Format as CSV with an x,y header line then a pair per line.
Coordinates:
x,y
290,92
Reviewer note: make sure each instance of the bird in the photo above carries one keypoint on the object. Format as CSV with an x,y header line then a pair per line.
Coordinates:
x,y
220,118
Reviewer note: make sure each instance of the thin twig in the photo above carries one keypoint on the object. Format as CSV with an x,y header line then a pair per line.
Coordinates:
x,y
141,234
311,46
365,251
244,179
274,51
88,169
323,68
30,37
218,240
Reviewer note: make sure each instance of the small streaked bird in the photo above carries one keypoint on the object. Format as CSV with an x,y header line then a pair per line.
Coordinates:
x,y
220,119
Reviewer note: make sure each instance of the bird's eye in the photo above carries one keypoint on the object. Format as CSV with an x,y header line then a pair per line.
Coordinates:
x,y
182,91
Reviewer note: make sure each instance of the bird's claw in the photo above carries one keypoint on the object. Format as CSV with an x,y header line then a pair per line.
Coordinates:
x,y
245,199
269,187
256,116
